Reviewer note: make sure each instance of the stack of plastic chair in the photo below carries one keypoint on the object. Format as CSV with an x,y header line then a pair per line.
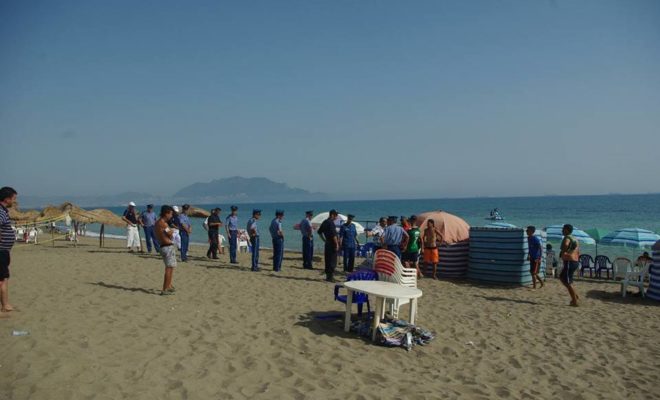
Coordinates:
x,y
358,298
389,268
586,262
602,263
620,267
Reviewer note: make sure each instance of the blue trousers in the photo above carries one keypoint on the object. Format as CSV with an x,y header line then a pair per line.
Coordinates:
x,y
349,258
308,252
150,237
185,241
233,245
395,249
254,241
278,253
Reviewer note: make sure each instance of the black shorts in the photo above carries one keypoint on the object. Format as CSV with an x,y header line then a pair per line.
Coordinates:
x,y
566,274
410,257
534,266
4,264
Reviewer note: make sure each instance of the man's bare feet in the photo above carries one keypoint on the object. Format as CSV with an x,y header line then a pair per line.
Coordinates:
x,y
7,309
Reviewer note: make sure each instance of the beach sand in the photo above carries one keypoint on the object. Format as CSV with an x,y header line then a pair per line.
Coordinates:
x,y
98,330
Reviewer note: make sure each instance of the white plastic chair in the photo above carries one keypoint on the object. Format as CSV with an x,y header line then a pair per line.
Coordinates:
x,y
635,278
243,241
620,267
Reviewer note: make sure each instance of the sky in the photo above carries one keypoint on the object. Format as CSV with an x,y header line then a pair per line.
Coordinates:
x,y
352,98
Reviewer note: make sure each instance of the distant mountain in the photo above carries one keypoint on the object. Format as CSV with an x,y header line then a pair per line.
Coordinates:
x,y
242,189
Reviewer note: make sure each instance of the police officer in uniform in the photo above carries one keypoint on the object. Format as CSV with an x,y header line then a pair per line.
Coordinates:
x,y
307,232
231,225
278,240
253,231
328,233
348,240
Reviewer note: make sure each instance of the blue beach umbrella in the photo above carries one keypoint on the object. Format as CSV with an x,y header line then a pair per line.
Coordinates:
x,y
500,225
554,233
631,237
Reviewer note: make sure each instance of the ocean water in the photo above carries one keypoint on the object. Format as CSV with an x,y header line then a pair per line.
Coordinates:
x,y
608,212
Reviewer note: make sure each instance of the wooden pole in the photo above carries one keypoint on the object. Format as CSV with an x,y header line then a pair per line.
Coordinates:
x,y
101,235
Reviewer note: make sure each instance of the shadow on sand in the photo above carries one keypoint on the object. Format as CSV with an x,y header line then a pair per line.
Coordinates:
x,y
128,289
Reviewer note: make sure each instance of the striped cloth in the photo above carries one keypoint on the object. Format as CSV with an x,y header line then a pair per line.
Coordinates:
x,y
399,333
654,280
453,261
7,235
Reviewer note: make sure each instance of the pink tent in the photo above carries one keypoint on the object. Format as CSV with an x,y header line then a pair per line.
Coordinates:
x,y
452,228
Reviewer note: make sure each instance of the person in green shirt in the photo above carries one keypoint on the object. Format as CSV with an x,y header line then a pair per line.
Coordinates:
x,y
411,253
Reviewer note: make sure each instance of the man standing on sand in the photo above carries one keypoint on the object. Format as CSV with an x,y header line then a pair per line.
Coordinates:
x,y
394,237
164,235
253,231
570,254
185,229
307,232
132,233
411,254
148,221
348,241
7,238
430,239
376,233
535,254
328,233
231,225
214,224
278,240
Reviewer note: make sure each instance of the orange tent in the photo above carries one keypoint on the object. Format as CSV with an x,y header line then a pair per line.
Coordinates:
x,y
452,228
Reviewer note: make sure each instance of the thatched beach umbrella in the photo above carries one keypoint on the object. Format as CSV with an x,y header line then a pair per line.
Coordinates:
x,y
196,212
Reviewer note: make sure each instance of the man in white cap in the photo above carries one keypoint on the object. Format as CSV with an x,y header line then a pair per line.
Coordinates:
x,y
132,233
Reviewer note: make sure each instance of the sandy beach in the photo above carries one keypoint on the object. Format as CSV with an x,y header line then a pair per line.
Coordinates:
x,y
99,330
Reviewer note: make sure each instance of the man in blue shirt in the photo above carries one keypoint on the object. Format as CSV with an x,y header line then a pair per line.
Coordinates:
x,y
278,240
231,225
348,241
185,229
394,237
535,246
253,232
307,232
148,220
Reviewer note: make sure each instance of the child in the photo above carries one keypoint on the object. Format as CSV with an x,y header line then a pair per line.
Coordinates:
x,y
167,250
535,254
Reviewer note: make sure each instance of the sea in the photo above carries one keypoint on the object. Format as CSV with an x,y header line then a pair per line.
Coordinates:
x,y
609,212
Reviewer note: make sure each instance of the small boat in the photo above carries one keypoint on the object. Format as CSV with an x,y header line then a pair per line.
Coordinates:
x,y
495,215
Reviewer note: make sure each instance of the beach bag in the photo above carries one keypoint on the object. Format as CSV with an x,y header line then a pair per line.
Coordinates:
x,y
573,252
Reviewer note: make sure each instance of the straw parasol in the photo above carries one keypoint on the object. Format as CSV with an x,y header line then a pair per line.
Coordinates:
x,y
196,212
452,228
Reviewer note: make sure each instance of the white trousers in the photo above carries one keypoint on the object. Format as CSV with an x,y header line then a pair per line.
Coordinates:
x,y
132,237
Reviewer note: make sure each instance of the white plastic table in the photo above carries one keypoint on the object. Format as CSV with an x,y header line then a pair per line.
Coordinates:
x,y
380,290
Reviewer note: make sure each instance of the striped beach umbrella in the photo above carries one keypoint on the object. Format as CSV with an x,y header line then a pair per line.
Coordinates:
x,y
554,233
631,237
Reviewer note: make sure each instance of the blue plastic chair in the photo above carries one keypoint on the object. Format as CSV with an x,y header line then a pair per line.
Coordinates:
x,y
358,298
603,263
586,262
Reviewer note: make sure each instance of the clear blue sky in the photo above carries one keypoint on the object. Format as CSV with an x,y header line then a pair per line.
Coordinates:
x,y
380,98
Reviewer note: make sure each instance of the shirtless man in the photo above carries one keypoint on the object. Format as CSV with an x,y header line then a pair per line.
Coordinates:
x,y
167,250
430,238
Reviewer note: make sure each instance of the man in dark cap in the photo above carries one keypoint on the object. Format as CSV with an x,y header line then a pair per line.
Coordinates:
x,y
214,229
394,237
328,233
278,240
253,231
348,241
231,225
307,232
